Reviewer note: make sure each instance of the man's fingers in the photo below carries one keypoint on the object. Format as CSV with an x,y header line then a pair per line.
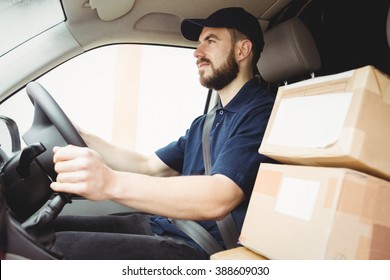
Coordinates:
x,y
68,152
66,188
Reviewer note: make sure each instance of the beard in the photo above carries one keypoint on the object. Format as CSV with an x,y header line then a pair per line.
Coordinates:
x,y
221,76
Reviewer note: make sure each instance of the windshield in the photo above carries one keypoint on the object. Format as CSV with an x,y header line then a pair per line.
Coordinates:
x,y
21,20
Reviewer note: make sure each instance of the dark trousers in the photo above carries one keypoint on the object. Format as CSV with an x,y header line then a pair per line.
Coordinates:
x,y
128,237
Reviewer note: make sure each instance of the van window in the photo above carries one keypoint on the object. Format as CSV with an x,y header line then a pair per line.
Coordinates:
x,y
138,97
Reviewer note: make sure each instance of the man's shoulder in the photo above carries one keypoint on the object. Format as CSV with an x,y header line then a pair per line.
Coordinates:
x,y
260,94
261,98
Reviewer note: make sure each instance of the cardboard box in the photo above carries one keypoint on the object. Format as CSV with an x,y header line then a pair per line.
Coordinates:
x,y
239,253
302,212
341,120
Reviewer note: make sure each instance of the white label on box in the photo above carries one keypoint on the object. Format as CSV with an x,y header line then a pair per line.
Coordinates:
x,y
310,121
297,197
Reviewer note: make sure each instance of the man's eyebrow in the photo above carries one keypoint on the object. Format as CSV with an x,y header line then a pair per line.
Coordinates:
x,y
210,36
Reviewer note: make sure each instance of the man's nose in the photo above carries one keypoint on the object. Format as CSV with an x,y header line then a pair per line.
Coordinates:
x,y
199,52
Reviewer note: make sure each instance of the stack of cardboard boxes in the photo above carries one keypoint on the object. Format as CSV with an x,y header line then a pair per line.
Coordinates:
x,y
330,196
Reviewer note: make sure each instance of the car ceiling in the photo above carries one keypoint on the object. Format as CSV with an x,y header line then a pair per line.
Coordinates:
x,y
148,21
151,21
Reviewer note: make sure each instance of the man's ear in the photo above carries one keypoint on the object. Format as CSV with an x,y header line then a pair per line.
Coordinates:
x,y
244,49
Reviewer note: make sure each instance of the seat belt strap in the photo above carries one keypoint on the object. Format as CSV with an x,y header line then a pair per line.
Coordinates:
x,y
199,234
229,232
194,230
227,226
208,124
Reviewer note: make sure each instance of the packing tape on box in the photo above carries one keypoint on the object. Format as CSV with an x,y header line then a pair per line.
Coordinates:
x,y
367,197
331,193
273,179
380,243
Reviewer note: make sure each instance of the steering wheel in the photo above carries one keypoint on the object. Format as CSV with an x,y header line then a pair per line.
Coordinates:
x,y
27,176
51,127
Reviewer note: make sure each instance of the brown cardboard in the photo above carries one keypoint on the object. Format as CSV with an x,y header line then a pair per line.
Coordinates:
x,y
303,212
239,253
340,120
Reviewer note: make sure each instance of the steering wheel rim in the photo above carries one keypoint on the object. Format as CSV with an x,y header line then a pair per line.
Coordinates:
x,y
50,126
39,96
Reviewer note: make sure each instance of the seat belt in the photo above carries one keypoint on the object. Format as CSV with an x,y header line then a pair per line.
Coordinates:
x,y
227,226
208,124
199,234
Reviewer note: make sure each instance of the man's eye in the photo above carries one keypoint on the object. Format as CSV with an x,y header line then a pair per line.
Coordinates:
x,y
210,41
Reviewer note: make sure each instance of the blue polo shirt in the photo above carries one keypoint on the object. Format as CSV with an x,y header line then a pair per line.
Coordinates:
x,y
235,138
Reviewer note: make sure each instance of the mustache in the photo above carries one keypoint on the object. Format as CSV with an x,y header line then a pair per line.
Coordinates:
x,y
203,60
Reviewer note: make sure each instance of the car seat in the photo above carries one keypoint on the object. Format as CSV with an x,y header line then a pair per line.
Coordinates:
x,y
289,52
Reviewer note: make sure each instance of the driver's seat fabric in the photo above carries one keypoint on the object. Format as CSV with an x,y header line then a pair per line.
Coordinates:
x,y
289,52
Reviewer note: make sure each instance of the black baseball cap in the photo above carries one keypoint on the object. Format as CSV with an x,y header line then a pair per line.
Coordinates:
x,y
234,17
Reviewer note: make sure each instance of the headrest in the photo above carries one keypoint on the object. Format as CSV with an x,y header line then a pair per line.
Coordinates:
x,y
289,52
388,27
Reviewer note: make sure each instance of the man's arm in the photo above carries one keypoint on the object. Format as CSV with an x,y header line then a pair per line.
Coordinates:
x,y
82,171
124,160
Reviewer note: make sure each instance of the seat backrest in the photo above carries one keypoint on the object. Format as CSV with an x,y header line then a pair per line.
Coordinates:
x,y
289,52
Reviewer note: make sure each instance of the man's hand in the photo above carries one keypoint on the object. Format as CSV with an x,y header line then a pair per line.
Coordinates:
x,y
81,171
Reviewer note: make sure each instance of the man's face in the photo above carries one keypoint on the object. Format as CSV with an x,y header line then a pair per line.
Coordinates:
x,y
216,58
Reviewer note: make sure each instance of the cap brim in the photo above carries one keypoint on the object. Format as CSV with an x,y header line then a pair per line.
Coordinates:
x,y
191,28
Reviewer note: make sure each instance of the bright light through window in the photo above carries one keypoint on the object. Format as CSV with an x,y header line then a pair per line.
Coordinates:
x,y
137,97
20,20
